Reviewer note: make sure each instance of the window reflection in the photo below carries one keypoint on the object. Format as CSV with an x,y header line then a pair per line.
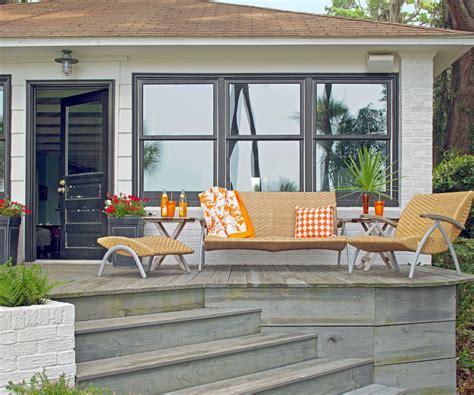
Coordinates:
x,y
173,165
357,109
265,165
264,109
184,109
331,157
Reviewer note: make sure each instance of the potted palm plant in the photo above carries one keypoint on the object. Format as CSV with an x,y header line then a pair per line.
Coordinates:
x,y
10,221
125,214
369,174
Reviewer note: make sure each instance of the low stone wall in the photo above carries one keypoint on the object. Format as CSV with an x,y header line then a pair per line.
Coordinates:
x,y
37,338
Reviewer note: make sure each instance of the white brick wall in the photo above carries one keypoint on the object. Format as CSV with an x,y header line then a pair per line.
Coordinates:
x,y
36,339
416,124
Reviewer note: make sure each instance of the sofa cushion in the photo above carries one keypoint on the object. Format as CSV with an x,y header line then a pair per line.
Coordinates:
x,y
275,243
315,222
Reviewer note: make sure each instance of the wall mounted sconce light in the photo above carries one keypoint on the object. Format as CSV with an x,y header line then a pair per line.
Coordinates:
x,y
67,61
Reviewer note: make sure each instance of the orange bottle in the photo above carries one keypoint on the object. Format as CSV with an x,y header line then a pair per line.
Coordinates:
x,y
183,204
164,204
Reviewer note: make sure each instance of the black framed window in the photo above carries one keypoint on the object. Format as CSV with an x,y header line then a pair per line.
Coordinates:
x,y
258,132
5,111
264,136
351,113
177,137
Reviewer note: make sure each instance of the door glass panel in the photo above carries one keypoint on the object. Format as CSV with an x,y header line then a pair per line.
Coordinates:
x,y
84,139
183,109
356,109
265,166
2,124
174,165
264,109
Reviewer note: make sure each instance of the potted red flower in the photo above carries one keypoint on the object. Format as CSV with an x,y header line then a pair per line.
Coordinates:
x,y
10,221
125,214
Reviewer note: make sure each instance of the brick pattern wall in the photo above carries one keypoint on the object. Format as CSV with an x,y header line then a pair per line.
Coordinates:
x,y
36,338
416,125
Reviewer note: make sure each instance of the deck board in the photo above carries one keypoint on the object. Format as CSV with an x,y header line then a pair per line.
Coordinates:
x,y
80,279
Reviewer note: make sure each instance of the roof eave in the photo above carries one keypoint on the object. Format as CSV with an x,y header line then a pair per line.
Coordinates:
x,y
449,40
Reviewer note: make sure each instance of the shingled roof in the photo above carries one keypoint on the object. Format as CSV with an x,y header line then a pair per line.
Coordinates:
x,y
187,18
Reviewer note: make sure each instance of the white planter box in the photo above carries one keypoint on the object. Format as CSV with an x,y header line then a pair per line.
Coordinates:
x,y
35,339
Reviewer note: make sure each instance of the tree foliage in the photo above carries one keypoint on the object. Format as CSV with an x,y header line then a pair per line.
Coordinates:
x,y
400,11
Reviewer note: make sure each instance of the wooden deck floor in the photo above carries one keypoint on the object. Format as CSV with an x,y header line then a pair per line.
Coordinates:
x,y
81,279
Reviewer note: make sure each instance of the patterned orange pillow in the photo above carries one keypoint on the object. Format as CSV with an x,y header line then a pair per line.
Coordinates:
x,y
313,222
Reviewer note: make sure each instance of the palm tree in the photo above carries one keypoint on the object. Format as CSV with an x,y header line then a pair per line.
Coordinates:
x,y
152,154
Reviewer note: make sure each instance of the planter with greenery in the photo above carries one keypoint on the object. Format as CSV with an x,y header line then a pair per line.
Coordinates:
x,y
369,174
10,221
125,214
35,333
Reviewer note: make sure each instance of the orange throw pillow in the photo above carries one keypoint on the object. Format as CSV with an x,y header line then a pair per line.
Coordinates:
x,y
314,222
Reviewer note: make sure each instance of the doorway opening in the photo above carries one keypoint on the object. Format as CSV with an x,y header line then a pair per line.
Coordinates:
x,y
70,170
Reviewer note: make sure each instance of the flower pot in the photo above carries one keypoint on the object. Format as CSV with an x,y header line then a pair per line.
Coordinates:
x,y
365,203
127,227
379,206
9,233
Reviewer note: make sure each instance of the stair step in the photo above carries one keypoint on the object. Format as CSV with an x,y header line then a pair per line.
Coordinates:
x,y
180,367
321,375
114,337
377,389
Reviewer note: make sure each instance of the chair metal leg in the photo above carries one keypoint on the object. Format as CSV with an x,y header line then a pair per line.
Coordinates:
x,y
451,248
339,258
348,254
202,251
352,264
124,248
104,262
420,247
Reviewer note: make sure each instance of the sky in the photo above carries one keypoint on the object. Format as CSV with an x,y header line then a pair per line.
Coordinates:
x,y
313,6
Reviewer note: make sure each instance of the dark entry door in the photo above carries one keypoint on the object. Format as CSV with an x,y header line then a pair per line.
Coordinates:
x,y
83,163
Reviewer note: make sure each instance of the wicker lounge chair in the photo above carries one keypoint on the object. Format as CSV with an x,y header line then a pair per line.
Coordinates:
x,y
141,247
428,225
273,217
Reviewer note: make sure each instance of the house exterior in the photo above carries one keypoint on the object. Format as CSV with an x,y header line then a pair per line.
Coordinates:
x,y
185,94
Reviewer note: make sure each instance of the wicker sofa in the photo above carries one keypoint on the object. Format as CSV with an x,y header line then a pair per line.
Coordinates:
x,y
273,217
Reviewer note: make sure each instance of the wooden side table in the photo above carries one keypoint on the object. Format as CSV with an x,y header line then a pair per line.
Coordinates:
x,y
181,222
372,227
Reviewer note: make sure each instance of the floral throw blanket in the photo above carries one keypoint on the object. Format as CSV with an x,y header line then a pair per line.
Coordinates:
x,y
225,214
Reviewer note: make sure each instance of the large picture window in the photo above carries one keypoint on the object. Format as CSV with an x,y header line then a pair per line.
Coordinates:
x,y
4,134
259,132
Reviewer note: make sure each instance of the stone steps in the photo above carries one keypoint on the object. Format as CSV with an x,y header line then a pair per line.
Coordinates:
x,y
377,389
324,375
114,337
196,364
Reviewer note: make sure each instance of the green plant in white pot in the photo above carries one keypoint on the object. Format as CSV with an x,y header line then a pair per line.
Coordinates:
x,y
370,174
33,328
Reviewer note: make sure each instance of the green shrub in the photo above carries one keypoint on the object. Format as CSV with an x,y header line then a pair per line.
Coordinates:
x,y
465,310
23,285
455,173
40,385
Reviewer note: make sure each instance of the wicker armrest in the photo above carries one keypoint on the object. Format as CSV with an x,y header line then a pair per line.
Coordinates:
x,y
438,217
381,219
